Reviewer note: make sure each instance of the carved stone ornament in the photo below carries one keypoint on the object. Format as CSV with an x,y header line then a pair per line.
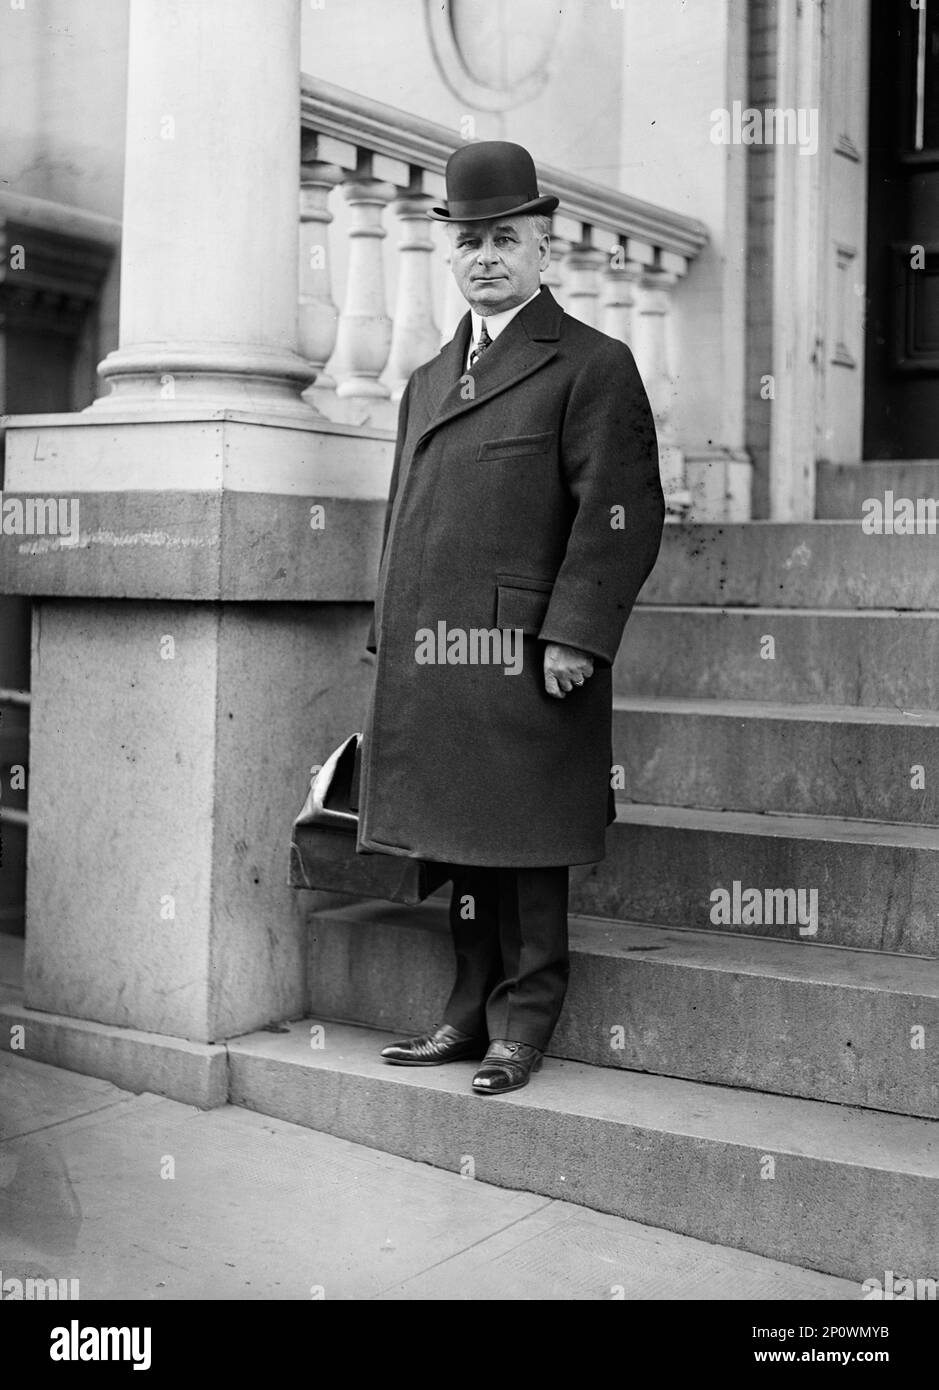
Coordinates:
x,y
496,56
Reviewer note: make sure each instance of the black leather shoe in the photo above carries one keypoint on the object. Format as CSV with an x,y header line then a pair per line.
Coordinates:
x,y
433,1049
507,1066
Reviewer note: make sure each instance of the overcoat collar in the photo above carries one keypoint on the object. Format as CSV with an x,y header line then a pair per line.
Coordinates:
x,y
524,345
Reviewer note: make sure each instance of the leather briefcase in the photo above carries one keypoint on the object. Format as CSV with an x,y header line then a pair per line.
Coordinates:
x,y
322,849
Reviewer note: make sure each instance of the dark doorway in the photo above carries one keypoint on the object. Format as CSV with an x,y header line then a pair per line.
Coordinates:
x,y
48,321
901,408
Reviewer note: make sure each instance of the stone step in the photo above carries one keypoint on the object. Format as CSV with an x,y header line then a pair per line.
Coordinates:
x,y
797,1020
822,656
830,1187
823,760
877,885
792,564
842,488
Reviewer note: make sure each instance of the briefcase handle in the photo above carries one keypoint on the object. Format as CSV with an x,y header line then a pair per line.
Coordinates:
x,y
334,788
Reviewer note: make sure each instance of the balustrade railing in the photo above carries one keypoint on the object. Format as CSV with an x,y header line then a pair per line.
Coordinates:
x,y
616,261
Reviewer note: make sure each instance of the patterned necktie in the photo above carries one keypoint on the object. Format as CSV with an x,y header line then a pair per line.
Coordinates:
x,y
482,342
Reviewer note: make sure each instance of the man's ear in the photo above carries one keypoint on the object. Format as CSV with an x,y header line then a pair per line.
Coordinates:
x,y
544,252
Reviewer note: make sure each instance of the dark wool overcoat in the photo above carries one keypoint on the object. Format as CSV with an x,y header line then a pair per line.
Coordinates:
x,y
525,495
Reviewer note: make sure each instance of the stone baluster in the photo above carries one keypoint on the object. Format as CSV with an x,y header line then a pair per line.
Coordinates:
x,y
415,336
619,299
454,305
583,266
652,343
364,335
653,358
318,318
553,277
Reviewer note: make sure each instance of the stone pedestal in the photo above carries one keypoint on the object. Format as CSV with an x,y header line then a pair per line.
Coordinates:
x,y
195,650
170,756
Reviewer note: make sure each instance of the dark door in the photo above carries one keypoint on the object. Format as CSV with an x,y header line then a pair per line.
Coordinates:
x,y
38,361
901,415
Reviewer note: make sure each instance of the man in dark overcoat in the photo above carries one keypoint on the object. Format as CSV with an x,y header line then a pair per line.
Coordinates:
x,y
525,513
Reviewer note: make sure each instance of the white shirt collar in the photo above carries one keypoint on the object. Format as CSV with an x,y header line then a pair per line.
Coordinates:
x,y
495,323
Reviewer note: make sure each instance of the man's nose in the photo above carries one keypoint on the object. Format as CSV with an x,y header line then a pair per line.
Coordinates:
x,y
486,253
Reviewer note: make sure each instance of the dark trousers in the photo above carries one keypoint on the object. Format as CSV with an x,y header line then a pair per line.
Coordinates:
x,y
509,929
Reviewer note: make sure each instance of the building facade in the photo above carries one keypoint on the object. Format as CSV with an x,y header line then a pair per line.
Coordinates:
x,y
223,204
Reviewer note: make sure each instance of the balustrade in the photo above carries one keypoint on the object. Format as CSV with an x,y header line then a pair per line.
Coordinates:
x,y
615,262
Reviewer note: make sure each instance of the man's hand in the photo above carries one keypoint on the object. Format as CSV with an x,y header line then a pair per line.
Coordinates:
x,y
565,668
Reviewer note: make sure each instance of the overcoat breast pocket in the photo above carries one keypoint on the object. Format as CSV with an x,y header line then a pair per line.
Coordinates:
x,y
515,446
522,602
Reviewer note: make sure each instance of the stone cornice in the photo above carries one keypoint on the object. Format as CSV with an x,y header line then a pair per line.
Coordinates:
x,y
53,262
61,219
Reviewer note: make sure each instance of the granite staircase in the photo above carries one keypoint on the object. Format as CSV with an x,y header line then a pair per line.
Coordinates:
x,y
766,1084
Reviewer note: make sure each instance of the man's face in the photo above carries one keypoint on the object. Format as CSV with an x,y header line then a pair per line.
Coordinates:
x,y
497,264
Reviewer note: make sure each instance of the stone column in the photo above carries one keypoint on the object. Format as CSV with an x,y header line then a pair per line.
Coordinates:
x,y
209,273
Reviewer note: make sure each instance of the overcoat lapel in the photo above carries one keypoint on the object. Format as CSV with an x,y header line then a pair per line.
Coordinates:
x,y
524,346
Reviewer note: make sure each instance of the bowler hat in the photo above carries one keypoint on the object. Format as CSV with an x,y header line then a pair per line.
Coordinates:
x,y
491,178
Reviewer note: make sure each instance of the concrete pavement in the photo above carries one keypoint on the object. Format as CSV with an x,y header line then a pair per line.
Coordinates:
x,y
140,1197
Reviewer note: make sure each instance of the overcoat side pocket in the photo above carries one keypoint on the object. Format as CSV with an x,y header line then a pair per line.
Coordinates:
x,y
522,603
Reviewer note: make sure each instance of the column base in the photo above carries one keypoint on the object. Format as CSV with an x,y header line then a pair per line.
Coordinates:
x,y
194,1073
190,376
